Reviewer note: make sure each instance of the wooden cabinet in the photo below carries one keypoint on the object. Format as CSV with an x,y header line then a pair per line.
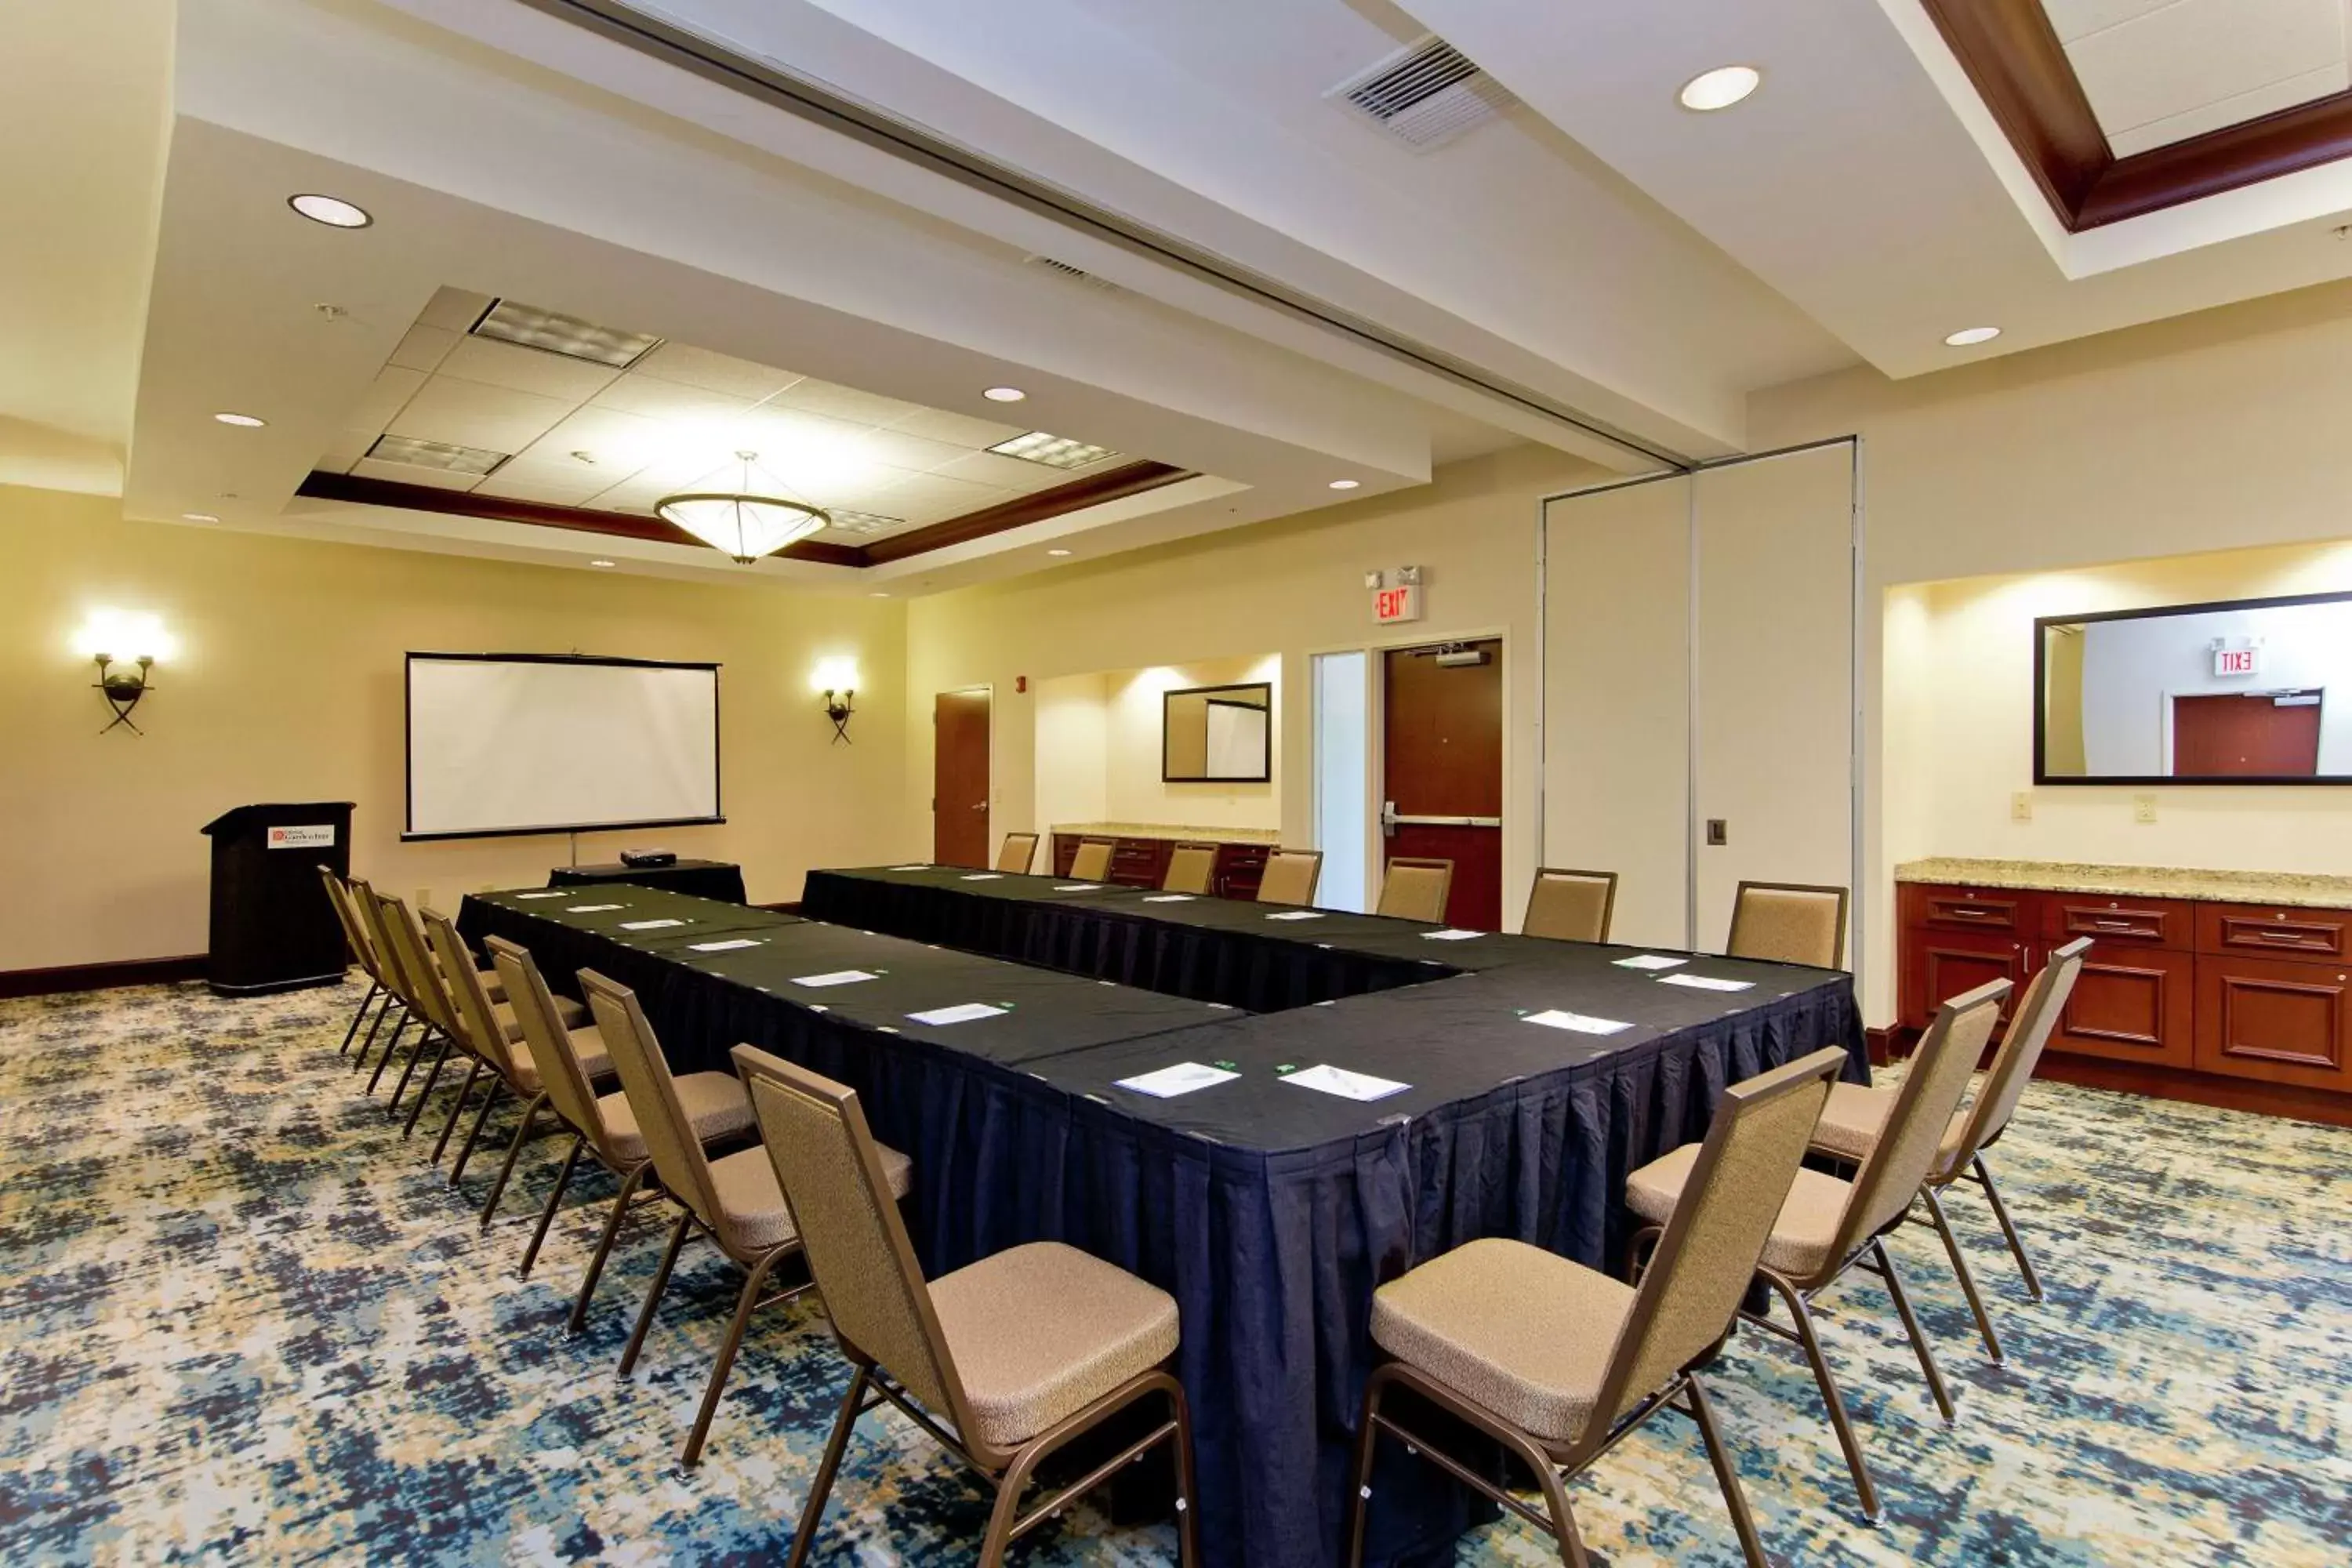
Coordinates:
x,y
1138,862
2272,995
2130,1004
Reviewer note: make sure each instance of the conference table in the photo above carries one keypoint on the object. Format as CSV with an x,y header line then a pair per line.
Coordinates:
x,y
721,879
1003,1023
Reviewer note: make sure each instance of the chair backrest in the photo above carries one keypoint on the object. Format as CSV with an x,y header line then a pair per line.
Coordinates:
x,y
1017,852
355,935
1703,1264
1415,889
1092,862
1289,877
851,1233
369,910
403,940
478,1022
549,1042
1909,1144
2030,1026
677,1152
1788,922
1570,906
1192,868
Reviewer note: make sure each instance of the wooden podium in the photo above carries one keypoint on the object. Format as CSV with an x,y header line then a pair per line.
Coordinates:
x,y
272,928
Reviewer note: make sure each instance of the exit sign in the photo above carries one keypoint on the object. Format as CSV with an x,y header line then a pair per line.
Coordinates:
x,y
1398,604
2237,660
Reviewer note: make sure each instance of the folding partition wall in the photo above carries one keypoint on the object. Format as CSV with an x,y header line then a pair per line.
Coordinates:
x,y
1700,667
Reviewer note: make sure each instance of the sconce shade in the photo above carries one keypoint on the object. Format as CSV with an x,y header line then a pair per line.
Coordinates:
x,y
745,527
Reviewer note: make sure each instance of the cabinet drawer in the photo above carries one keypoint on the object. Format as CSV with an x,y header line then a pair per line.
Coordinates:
x,y
2279,1022
2007,910
2131,1004
2139,922
2265,928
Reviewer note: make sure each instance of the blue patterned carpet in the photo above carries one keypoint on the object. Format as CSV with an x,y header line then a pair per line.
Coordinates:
x,y
243,1322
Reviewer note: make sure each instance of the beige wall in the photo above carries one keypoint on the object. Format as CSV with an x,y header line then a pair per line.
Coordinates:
x,y
287,687
1098,756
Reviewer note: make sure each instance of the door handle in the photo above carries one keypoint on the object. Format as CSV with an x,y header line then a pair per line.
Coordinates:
x,y
1447,821
981,806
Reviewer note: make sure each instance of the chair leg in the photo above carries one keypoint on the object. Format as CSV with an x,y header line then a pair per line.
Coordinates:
x,y
1563,1518
473,1133
456,1108
554,1199
391,1005
1188,1507
358,1018
1368,1438
604,1248
728,1347
678,1235
1001,1518
392,1106
1911,1327
813,1513
1839,1422
1743,1524
426,1093
1960,1266
391,1047
2009,1229
514,1148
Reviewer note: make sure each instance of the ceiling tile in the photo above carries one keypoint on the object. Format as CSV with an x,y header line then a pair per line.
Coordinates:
x,y
2073,19
659,399
922,491
495,364
2197,52
905,451
384,398
1006,473
468,414
621,443
843,402
690,366
956,429
2231,111
457,310
402,474
348,448
423,347
565,484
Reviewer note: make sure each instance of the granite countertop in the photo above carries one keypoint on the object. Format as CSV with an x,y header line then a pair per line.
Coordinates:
x,y
2294,888
1169,830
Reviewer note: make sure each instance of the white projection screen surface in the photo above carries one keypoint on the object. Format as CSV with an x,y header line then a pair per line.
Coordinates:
x,y
512,743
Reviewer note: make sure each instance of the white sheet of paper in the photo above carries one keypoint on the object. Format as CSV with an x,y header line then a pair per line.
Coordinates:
x,y
729,945
925,866
1583,1024
961,1012
1077,886
1345,1084
553,893
1705,982
1181,1079
591,908
1169,898
1651,961
833,978
1449,934
648,925
981,876
1298,915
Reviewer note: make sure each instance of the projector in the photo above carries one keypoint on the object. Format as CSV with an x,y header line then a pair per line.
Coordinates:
x,y
644,859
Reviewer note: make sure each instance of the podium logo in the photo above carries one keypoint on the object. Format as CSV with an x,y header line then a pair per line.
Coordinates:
x,y
318,838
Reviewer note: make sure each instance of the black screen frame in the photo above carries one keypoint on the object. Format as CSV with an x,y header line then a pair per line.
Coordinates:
x,y
407,719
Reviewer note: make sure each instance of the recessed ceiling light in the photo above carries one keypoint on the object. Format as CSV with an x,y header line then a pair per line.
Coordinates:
x,y
332,211
1057,553
600,562
242,421
199,517
1968,337
1053,451
1004,395
1345,484
439,455
1720,87
878,594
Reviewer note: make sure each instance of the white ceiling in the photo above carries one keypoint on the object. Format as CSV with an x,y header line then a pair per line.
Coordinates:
x,y
2157,72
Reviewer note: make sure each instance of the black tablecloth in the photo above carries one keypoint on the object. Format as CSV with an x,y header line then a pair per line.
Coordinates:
x,y
1269,1210
703,878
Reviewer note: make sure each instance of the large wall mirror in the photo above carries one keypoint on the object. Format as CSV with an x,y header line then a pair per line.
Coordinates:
x,y
1217,734
2247,691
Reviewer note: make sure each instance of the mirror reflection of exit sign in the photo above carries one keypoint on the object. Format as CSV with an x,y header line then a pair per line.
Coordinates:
x,y
1398,604
2237,660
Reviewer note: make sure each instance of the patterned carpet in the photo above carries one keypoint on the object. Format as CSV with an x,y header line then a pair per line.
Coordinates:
x,y
243,1322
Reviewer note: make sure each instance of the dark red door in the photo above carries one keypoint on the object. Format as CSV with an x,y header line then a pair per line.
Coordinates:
x,y
1443,769
959,779
2258,735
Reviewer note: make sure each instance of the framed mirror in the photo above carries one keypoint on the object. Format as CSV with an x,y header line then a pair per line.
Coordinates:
x,y
1217,734
2241,691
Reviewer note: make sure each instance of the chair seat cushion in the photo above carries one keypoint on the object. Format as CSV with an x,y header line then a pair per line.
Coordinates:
x,y
1522,1332
588,1048
1802,1235
1041,1331
1854,1117
753,1205
714,1103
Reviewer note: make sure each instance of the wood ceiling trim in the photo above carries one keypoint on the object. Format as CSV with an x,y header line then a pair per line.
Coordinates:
x,y
1114,484
2012,54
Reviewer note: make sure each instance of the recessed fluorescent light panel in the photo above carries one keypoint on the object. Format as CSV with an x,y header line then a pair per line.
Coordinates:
x,y
1053,451
511,322
435,455
864,522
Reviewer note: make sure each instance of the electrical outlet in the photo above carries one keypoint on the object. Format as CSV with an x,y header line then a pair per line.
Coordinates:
x,y
2143,808
1719,831
2020,806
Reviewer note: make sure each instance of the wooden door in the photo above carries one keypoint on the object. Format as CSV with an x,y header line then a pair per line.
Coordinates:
x,y
2256,735
1442,771
960,834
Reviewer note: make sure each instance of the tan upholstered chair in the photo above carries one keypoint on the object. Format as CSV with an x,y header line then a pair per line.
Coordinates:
x,y
355,937
715,1105
1017,852
1558,1361
1570,906
1191,869
1415,888
1289,877
1856,1118
734,1200
1017,1353
402,942
1828,1226
368,905
1092,861
1787,922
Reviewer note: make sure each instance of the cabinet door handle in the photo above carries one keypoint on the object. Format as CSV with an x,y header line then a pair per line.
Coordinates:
x,y
2115,925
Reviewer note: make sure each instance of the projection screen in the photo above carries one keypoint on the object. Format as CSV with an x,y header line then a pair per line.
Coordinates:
x,y
505,744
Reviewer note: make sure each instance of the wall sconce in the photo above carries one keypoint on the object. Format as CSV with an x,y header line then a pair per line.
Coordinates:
x,y
837,679
109,634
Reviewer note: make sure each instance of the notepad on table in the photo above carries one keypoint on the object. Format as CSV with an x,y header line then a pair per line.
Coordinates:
x,y
729,945
1449,934
1705,982
1077,886
982,877
925,866
961,1012
591,908
1651,961
649,925
1169,898
552,893
1181,1079
1583,1023
1345,1084
833,978
1298,915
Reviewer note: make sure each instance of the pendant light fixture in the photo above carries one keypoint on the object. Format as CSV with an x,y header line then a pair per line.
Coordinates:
x,y
743,523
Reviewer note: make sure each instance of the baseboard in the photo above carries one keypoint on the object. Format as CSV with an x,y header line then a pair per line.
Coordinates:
x,y
1890,1044
2198,1089
100,977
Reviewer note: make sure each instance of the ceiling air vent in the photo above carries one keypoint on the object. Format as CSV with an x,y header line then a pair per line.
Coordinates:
x,y
1064,269
1424,95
